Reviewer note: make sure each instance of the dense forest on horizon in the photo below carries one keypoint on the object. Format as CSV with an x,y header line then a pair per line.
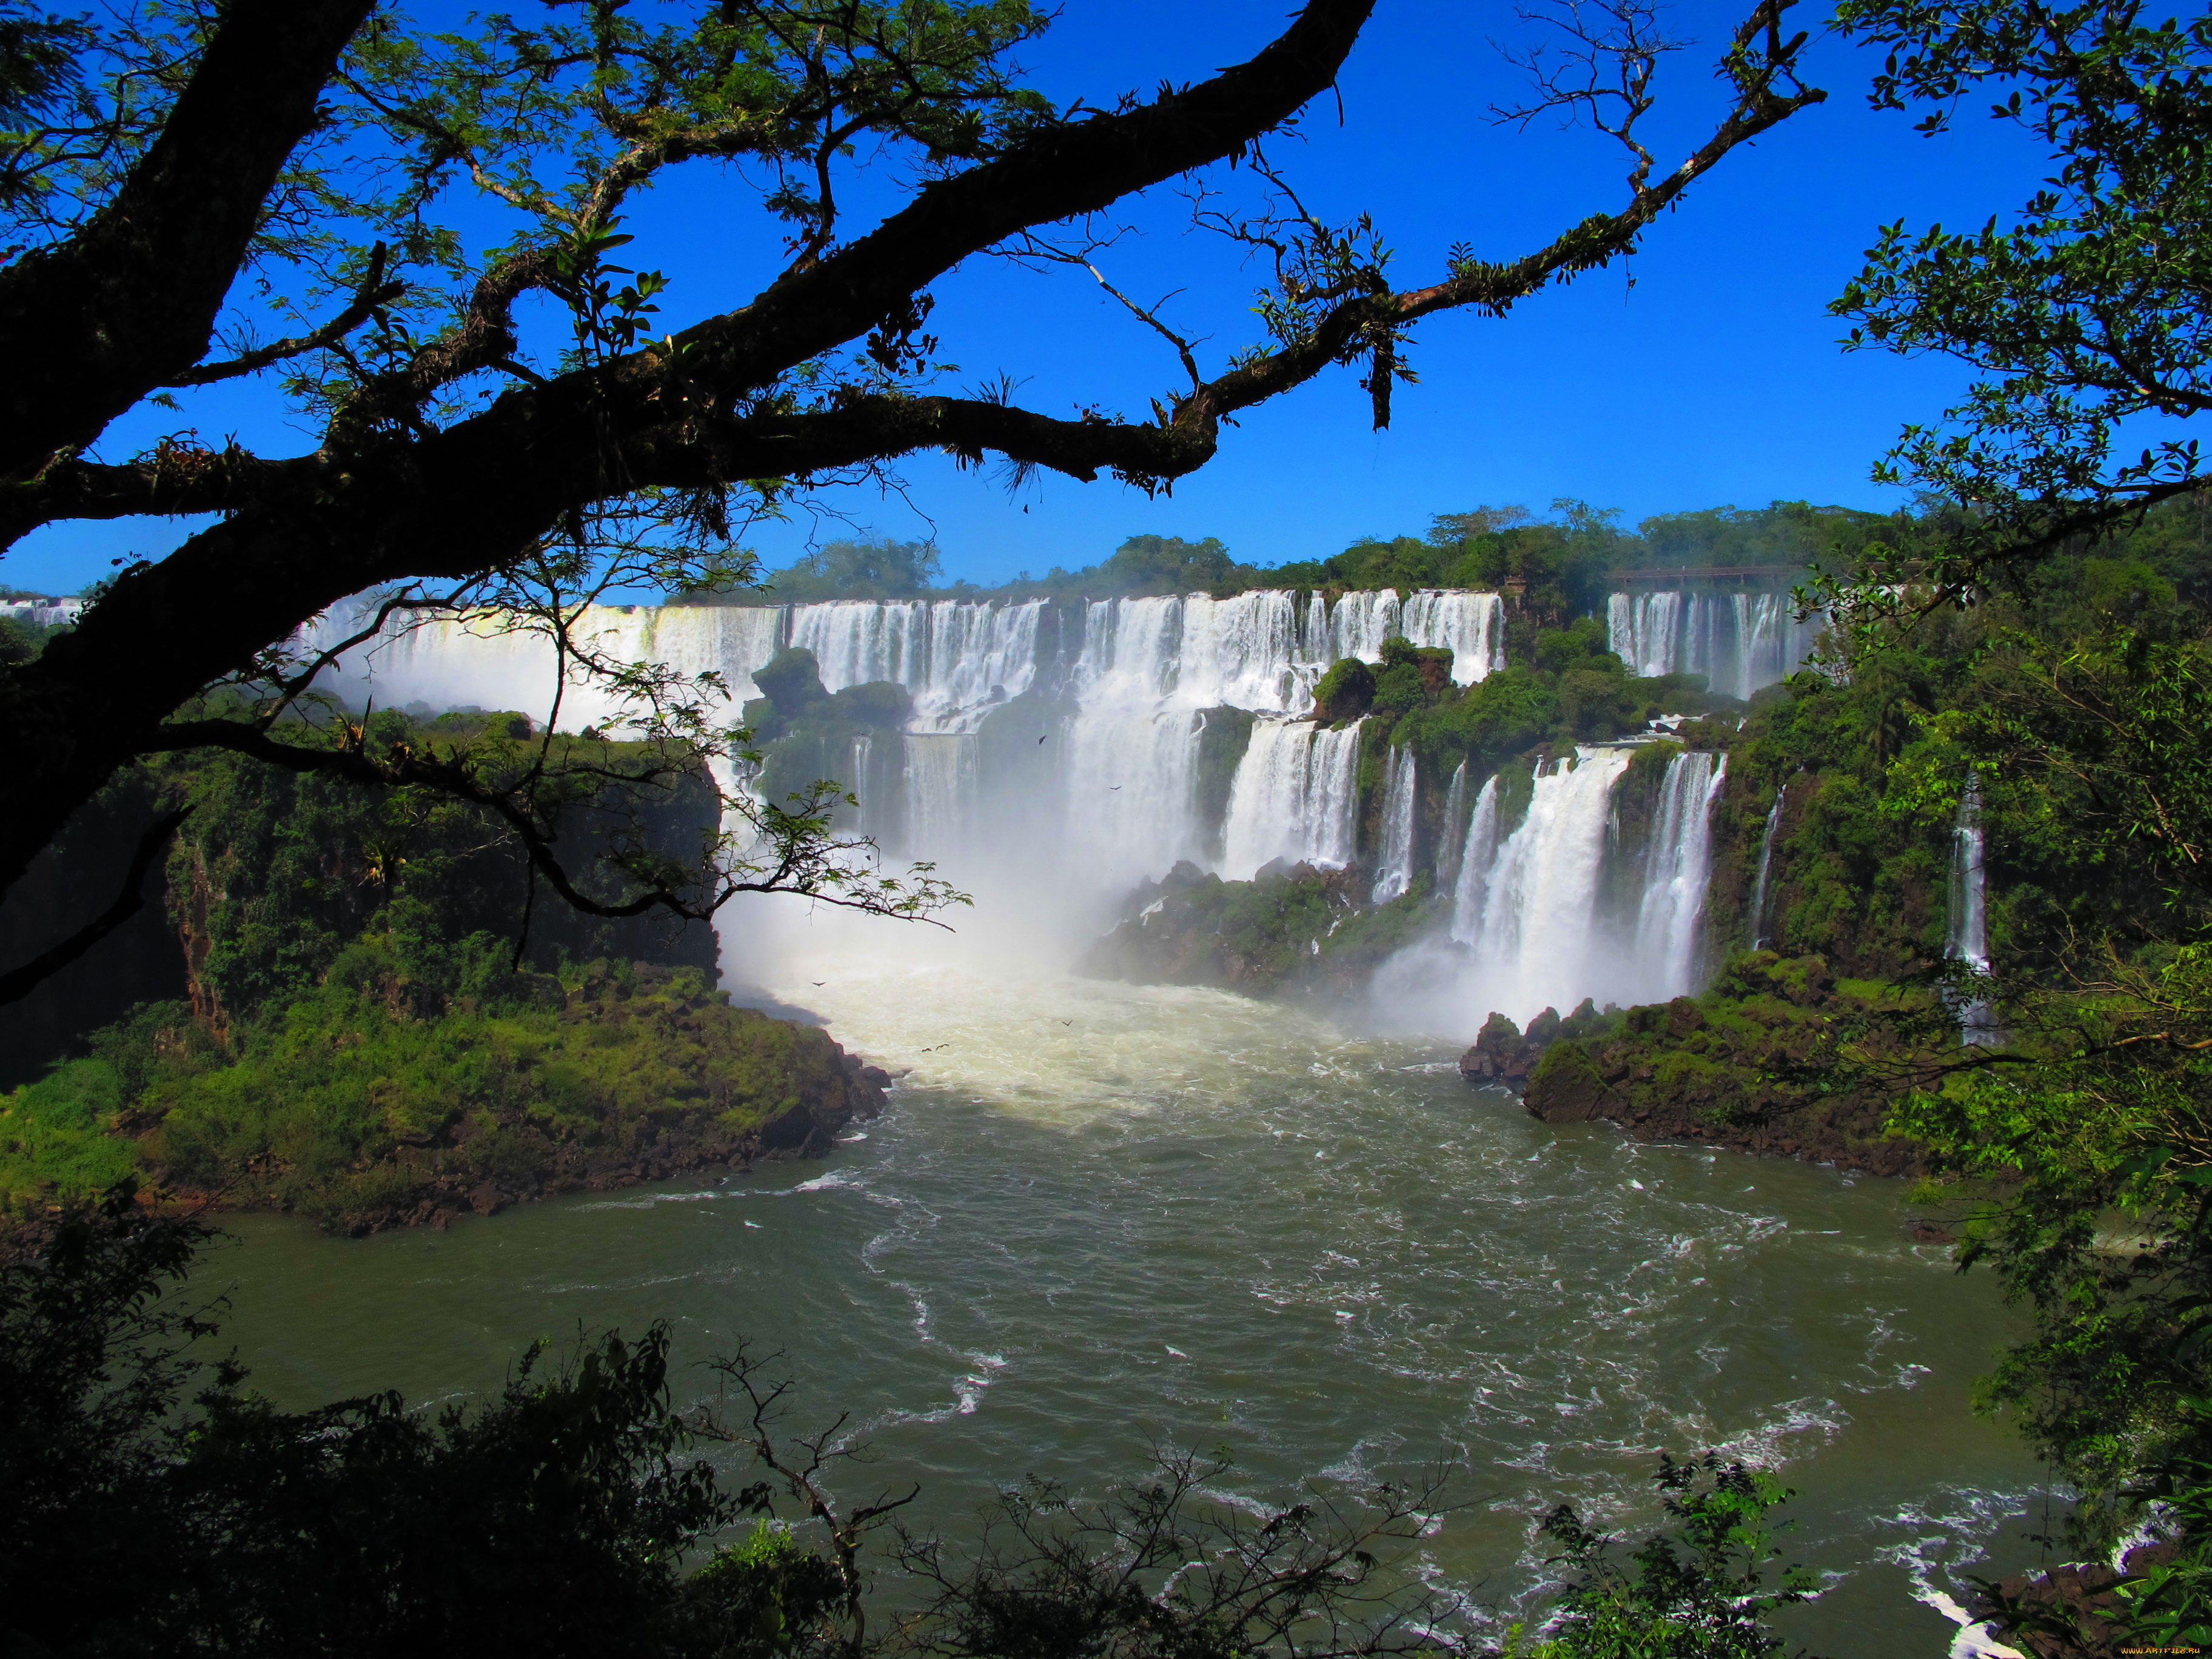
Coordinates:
x,y
1567,557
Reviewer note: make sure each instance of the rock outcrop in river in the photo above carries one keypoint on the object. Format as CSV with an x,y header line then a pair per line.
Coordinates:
x,y
638,1075
1740,1067
1295,928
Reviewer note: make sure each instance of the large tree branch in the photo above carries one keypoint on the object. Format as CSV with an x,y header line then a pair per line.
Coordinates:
x,y
170,480
1061,172
484,338
90,327
643,421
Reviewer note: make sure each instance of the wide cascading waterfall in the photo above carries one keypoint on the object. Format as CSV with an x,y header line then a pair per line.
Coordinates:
x,y
1678,868
1294,796
1757,919
481,661
955,658
1739,642
1529,918
1062,752
1261,650
1058,753
1394,856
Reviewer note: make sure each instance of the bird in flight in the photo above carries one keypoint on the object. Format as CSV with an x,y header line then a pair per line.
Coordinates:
x,y
819,981
1047,735
1067,1022
1115,785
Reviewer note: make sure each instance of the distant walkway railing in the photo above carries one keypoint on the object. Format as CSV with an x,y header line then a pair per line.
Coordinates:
x,y
1680,574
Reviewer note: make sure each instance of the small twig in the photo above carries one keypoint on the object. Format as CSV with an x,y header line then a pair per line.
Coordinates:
x,y
373,292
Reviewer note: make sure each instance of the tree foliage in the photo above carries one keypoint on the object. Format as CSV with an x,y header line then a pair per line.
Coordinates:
x,y
2079,1142
1700,1592
2084,311
155,1504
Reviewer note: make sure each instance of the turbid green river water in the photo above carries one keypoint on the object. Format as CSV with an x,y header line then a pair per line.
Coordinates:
x,y
1098,1216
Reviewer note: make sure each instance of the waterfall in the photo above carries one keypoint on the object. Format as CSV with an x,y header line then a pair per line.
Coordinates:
x,y
1058,752
1451,843
1741,642
1294,796
957,658
1969,928
1394,857
1130,789
1758,917
1471,890
1969,941
1680,868
1527,906
1641,629
939,786
1360,621
1539,894
1471,625
479,661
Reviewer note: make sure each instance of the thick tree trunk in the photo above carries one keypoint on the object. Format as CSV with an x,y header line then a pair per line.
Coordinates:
x,y
90,327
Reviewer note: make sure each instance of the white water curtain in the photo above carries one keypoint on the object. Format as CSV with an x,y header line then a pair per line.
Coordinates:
x,y
1293,798
1530,907
1393,857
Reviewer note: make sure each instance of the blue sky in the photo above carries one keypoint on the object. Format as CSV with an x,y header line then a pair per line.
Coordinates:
x,y
1715,379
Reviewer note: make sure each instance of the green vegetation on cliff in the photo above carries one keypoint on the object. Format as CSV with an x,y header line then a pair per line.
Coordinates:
x,y
1294,929
358,1043
400,1089
1749,1062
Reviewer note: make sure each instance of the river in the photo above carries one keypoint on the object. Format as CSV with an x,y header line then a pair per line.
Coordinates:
x,y
1100,1217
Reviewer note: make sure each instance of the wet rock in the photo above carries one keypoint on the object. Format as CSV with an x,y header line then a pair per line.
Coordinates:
x,y
1495,1047
1503,1052
1743,1067
2023,1609
1565,1088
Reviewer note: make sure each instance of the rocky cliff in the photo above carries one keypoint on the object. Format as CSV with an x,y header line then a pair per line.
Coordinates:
x,y
1748,1066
